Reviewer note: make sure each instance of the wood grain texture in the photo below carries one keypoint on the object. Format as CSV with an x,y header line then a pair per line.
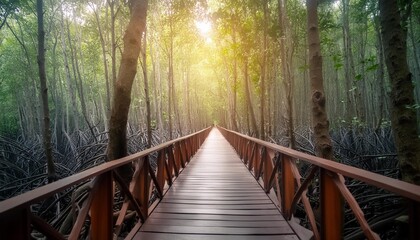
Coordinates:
x,y
216,197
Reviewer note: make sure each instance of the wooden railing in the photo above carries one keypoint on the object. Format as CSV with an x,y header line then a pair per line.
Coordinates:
x,y
18,222
275,167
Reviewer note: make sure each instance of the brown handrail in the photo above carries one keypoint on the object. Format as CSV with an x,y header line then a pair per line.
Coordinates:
x,y
16,220
271,162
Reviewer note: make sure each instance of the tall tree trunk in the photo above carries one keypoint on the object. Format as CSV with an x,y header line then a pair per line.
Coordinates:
x,y
105,62
403,114
146,91
68,74
380,74
319,114
235,78
79,86
113,42
348,65
287,78
157,96
249,106
44,93
330,195
117,145
187,99
170,77
263,71
33,123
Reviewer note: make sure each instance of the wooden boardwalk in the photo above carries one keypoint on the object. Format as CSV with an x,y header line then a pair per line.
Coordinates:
x,y
217,198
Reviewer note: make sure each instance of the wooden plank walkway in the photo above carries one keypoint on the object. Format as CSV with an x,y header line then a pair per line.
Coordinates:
x,y
217,198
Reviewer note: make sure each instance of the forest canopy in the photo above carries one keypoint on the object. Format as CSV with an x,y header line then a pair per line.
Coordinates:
x,y
216,45
84,82
238,63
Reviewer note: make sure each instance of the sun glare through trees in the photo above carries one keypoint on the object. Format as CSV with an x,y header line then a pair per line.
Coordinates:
x,y
167,68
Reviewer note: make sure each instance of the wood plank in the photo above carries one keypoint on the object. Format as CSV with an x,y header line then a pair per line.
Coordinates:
x,y
219,206
216,197
218,230
168,236
216,223
256,197
216,202
218,211
220,194
216,190
216,217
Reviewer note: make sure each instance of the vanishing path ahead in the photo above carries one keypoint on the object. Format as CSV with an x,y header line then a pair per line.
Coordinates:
x,y
216,197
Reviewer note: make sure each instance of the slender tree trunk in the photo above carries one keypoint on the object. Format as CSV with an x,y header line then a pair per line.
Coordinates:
x,y
78,76
33,124
187,98
105,62
146,91
330,195
117,145
113,42
380,75
44,93
249,106
348,65
403,114
417,63
157,96
235,78
68,74
287,81
263,71
319,114
170,77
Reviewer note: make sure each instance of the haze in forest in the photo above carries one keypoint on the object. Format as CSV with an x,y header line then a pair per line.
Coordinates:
x,y
242,64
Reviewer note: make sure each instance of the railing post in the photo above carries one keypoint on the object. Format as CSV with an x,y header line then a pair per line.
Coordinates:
x,y
161,169
101,211
414,221
252,156
247,154
243,149
172,164
288,186
257,156
331,207
142,191
268,169
15,224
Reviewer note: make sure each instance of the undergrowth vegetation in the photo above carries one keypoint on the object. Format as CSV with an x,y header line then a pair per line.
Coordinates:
x,y
22,168
369,149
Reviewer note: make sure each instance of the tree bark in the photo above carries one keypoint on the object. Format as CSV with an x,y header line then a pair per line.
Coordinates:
x,y
323,146
403,114
285,72
68,74
235,77
329,194
44,93
117,145
105,62
170,76
263,71
111,4
146,92
248,106
348,65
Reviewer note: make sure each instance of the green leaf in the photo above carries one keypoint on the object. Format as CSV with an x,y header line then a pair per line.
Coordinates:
x,y
414,106
372,68
358,77
337,66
